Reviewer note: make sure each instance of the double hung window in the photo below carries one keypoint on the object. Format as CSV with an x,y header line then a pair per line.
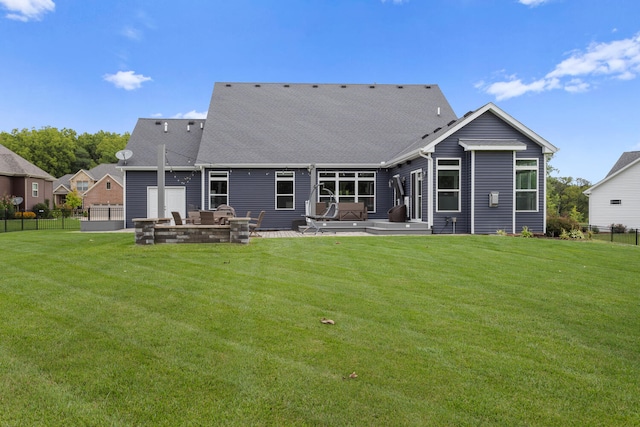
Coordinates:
x,y
218,189
448,185
526,184
285,190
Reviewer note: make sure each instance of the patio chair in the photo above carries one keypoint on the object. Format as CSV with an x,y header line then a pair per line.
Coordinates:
x,y
206,218
177,218
254,226
194,217
312,220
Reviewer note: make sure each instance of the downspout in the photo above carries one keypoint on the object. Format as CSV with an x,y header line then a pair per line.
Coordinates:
x,y
429,187
473,192
124,197
544,198
204,190
312,183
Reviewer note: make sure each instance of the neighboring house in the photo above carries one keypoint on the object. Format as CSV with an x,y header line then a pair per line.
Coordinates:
x,y
20,178
616,199
265,147
101,185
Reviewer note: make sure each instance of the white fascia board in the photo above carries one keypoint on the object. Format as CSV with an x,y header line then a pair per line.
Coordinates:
x,y
155,168
599,183
516,146
294,165
547,147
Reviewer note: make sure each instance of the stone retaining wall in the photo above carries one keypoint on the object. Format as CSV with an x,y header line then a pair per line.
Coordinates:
x,y
150,231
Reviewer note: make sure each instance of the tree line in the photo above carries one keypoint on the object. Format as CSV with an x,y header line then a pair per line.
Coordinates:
x,y
62,151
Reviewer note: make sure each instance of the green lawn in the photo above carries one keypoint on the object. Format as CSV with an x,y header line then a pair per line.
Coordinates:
x,y
440,330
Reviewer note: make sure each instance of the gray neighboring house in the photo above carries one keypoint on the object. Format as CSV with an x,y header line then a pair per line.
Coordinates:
x,y
616,198
265,146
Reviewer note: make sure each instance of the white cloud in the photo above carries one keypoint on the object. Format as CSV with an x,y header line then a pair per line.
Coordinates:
x,y
27,10
619,59
532,3
132,33
126,80
193,114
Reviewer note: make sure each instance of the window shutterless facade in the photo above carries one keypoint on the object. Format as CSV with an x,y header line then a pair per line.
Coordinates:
x,y
527,185
357,187
82,186
448,185
218,188
285,190
34,189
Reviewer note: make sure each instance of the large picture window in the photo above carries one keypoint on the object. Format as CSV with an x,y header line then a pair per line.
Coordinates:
x,y
218,189
448,185
526,184
357,187
285,190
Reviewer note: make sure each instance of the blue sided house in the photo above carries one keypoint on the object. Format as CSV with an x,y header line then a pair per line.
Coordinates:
x,y
271,147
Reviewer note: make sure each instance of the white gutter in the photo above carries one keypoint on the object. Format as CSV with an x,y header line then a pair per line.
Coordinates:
x,y
294,165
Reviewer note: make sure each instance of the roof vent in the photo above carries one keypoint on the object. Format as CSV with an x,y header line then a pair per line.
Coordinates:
x,y
166,127
314,86
286,85
372,87
343,86
468,114
451,122
191,122
228,85
257,85
201,125
436,130
427,87
400,87
158,122
425,135
188,128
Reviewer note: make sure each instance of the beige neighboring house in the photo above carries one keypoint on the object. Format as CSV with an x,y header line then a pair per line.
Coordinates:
x,y
20,178
100,186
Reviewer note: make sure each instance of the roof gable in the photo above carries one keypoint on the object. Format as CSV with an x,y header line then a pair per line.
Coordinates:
x,y
300,124
12,164
626,161
547,147
181,138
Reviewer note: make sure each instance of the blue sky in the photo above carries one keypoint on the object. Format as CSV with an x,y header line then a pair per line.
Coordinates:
x,y
567,69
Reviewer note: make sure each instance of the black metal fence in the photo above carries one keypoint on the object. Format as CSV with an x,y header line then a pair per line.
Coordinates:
x,y
615,233
57,219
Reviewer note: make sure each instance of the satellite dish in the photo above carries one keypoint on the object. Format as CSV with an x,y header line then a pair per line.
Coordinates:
x,y
16,200
124,155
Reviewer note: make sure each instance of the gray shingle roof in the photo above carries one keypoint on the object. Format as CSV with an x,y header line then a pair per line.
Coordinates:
x,y
103,169
626,158
283,124
181,144
11,164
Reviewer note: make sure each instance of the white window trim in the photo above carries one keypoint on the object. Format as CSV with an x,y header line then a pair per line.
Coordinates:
x,y
516,168
34,189
291,177
459,190
357,178
222,175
